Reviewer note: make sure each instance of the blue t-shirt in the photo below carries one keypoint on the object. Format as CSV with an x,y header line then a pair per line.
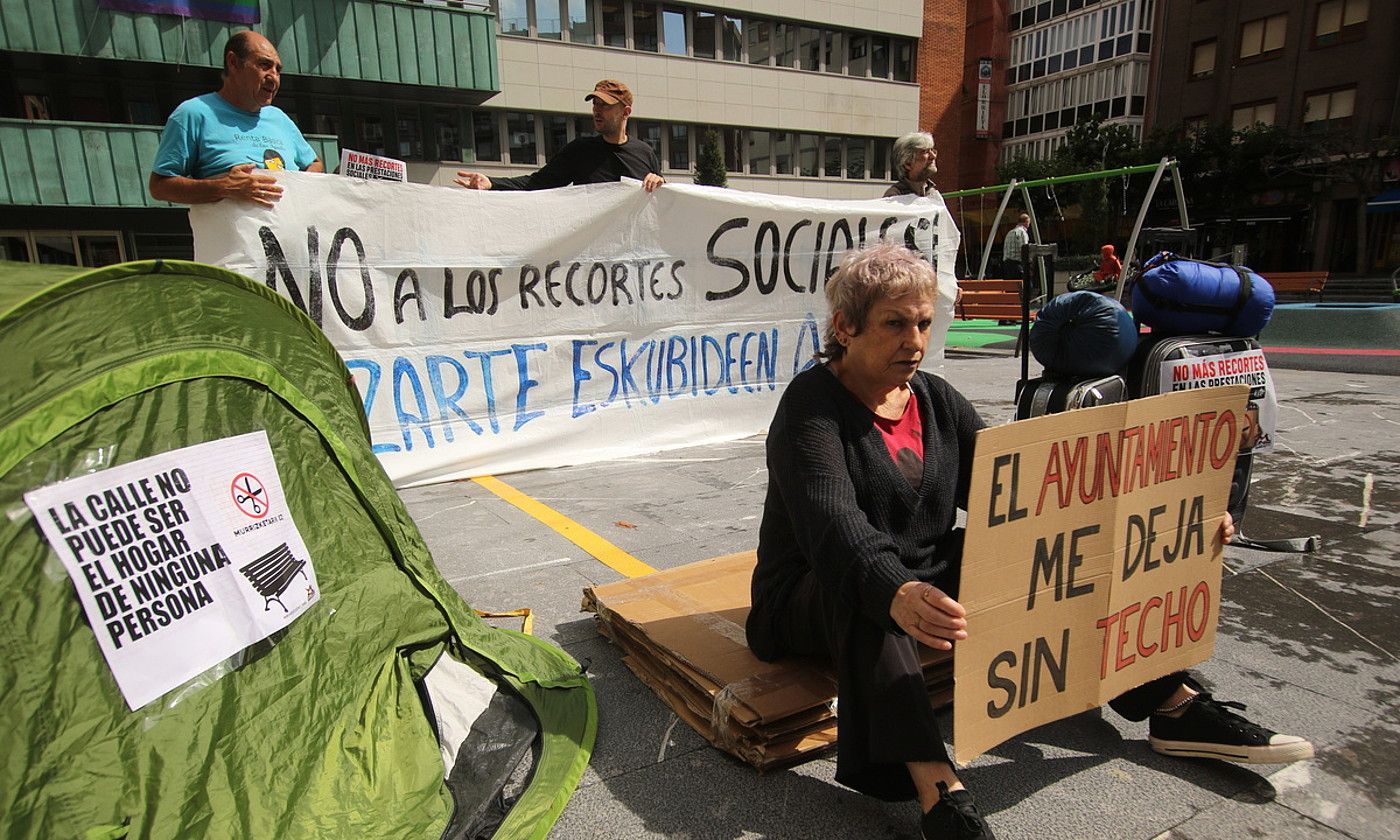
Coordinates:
x,y
206,137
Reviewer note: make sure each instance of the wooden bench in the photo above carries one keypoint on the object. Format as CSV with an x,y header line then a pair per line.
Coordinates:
x,y
272,573
998,300
1297,282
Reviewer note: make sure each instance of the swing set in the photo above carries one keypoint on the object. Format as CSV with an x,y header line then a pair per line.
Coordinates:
x,y
1159,170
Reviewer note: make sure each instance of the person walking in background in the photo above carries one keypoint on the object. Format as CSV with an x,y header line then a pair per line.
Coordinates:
x,y
1016,238
608,156
916,161
213,145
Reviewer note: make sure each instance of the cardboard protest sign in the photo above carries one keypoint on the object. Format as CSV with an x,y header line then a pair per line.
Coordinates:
x,y
502,331
355,164
1247,367
181,559
1092,560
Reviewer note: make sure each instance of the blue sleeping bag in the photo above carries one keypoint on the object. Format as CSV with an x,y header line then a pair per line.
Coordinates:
x,y
1082,335
1180,296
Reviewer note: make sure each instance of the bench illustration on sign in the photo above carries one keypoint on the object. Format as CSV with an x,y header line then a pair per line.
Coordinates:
x,y
272,573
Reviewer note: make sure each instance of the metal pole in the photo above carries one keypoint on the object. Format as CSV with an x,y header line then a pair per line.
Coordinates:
x,y
1058,179
1137,226
1035,240
1180,196
991,239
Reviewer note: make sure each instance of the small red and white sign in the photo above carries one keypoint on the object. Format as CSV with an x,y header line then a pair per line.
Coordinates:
x,y
250,495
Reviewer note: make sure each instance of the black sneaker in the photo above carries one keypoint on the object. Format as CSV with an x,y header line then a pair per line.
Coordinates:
x,y
1207,729
955,817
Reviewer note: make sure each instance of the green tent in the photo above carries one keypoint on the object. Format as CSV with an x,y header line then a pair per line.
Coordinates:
x,y
343,724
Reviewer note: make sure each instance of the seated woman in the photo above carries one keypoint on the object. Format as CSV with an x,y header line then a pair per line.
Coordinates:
x,y
869,459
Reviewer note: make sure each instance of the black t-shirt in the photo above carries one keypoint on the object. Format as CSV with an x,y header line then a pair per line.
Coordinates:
x,y
588,160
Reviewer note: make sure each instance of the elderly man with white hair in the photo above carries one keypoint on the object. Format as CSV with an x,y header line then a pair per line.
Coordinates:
x,y
916,161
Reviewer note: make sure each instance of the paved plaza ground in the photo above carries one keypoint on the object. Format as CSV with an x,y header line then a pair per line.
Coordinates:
x,y
1309,642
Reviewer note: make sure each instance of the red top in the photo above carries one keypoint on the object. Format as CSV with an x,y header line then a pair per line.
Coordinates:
x,y
904,438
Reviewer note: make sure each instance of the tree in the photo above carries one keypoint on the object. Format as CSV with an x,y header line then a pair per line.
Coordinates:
x,y
1340,156
709,165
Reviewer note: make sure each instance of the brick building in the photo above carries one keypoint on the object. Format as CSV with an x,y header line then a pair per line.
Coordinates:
x,y
1323,67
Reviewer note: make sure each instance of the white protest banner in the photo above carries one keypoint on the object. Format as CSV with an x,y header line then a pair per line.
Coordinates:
x,y
1247,367
355,164
500,331
1092,558
181,559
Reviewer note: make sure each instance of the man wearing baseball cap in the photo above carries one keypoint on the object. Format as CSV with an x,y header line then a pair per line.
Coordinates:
x,y
608,156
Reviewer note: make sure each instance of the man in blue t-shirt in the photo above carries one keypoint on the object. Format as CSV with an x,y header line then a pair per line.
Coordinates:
x,y
213,145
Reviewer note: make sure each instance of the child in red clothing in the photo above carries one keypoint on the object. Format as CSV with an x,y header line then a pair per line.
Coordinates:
x,y
1109,265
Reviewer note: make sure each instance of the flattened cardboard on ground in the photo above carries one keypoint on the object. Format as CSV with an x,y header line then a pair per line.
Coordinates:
x,y
1092,561
683,633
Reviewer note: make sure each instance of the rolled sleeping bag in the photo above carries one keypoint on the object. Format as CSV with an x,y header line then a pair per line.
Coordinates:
x,y
1180,296
1083,334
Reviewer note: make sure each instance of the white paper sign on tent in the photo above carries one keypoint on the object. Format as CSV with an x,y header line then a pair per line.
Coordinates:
x,y
181,559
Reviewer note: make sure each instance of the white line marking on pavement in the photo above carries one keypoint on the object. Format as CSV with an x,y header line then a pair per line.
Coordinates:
x,y
560,562
1320,609
1366,486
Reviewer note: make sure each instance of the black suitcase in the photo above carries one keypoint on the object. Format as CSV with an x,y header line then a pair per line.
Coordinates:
x,y
1145,380
1050,395
1144,371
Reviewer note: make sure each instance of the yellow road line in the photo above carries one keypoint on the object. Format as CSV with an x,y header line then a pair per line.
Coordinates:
x,y
606,553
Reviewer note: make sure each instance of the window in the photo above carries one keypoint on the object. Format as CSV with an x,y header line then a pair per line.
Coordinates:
x,y
855,157
520,127
673,30
880,57
644,34
485,138
1328,105
447,129
55,250
583,28
807,155
833,57
784,41
858,54
514,16
733,31
614,23
556,134
880,162
410,135
369,134
760,42
649,133
733,140
831,157
88,248
14,246
759,152
1247,116
1340,20
782,153
325,119
809,48
705,34
1262,36
548,23
679,147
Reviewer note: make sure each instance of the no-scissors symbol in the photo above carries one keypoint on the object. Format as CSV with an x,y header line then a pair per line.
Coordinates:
x,y
250,495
